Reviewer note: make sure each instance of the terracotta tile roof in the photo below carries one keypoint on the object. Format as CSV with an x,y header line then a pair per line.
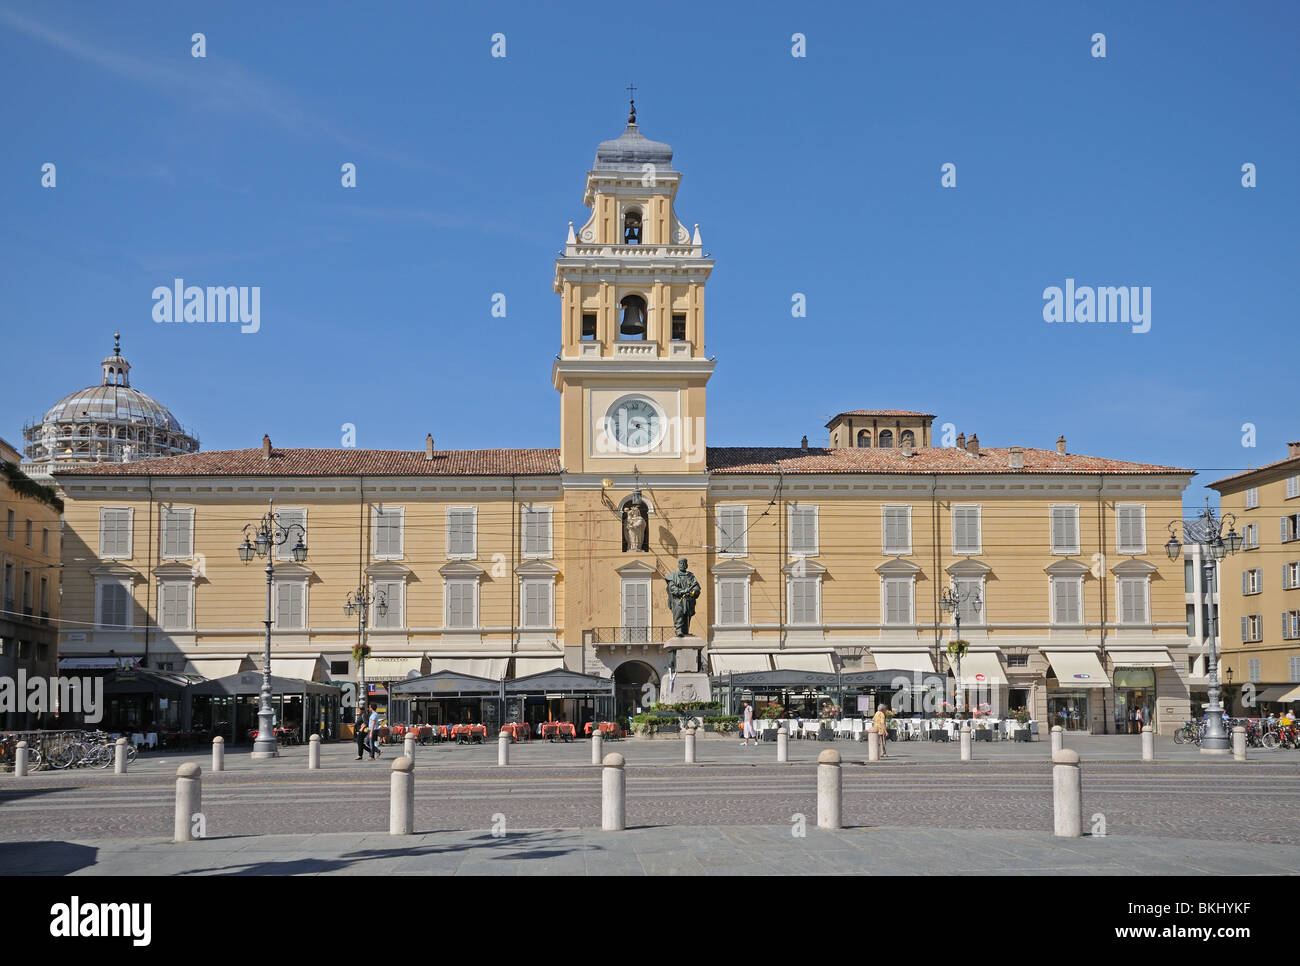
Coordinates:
x,y
792,459
1241,477
337,462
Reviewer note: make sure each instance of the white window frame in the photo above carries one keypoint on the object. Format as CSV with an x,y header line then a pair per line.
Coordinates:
x,y
539,511
1252,582
980,619
394,621
171,583
1078,588
1119,600
284,552
1291,575
816,526
275,603
1293,486
743,540
447,584
1252,497
130,532
169,513
979,529
817,598
884,530
474,550
1120,546
884,601
1250,536
549,584
1252,628
743,584
378,512
125,584
1291,629
1072,549
624,584
1294,667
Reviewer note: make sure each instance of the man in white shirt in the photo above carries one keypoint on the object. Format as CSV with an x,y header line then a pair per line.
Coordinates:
x,y
372,726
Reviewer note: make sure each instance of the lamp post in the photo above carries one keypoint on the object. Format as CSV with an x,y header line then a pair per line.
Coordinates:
x,y
267,534
359,603
1207,531
950,603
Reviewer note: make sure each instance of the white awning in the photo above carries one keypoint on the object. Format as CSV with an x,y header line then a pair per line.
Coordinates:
x,y
738,663
217,667
493,668
980,669
525,666
904,661
89,663
1077,669
1280,694
804,662
393,668
1156,658
297,668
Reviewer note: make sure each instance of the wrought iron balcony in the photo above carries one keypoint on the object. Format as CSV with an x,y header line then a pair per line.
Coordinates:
x,y
632,634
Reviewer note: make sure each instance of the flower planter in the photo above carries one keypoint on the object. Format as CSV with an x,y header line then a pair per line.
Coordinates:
x,y
1023,734
984,734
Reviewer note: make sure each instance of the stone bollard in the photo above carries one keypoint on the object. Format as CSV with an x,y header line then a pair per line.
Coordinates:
x,y
782,744
218,753
965,739
1148,744
873,746
119,757
503,748
189,801
613,794
830,790
20,760
1238,743
313,753
597,746
1057,737
1067,794
401,798
688,740
408,746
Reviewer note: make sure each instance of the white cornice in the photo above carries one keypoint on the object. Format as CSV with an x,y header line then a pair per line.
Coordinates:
x,y
625,481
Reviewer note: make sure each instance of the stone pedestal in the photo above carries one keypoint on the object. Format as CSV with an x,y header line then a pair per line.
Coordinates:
x,y
691,681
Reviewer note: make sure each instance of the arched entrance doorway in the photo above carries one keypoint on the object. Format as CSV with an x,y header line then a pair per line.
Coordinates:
x,y
630,680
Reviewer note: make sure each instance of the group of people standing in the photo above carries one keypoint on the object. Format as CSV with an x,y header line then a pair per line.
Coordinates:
x,y
363,730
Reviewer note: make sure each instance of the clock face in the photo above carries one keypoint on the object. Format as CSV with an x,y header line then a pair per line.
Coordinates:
x,y
634,423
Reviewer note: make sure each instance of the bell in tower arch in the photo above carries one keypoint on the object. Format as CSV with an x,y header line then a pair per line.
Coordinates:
x,y
632,227
633,325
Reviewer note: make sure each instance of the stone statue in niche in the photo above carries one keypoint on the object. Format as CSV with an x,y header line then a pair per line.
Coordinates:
x,y
636,528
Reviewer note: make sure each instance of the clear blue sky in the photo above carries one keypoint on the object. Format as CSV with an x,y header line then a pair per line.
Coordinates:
x,y
817,175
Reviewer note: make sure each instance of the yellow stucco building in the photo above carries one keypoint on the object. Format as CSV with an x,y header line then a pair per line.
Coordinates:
x,y
815,563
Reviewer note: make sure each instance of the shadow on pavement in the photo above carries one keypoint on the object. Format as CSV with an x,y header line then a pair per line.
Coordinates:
x,y
45,858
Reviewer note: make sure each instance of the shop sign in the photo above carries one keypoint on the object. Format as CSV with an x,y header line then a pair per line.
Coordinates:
x,y
1083,677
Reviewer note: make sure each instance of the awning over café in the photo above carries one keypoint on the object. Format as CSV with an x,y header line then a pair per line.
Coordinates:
x,y
1157,658
525,666
447,684
560,682
1280,694
917,660
980,669
493,668
1077,669
738,663
306,669
394,668
804,662
213,668
250,682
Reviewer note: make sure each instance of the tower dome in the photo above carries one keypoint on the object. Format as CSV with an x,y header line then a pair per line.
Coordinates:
x,y
109,421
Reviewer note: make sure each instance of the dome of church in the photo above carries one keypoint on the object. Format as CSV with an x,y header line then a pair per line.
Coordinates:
x,y
110,421
631,149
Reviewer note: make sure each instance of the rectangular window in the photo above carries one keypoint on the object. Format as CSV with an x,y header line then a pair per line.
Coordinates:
x,y
897,593
1133,600
10,524
9,587
1131,527
1066,603
1253,669
1065,529
970,590
1191,620
1189,577
27,591
461,600
45,542
174,605
28,532
536,529
45,597
1292,487
387,537
679,328
1291,527
462,532
1250,536
1252,497
1295,670
536,595
1291,575
290,520
803,530
731,530
1252,628
114,605
339,669
733,593
896,524
805,603
1291,626
636,611
966,535
1017,660
114,532
291,605
589,326
1252,581
394,595
177,525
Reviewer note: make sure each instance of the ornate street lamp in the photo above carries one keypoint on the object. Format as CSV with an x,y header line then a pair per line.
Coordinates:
x,y
359,602
267,534
1207,531
950,603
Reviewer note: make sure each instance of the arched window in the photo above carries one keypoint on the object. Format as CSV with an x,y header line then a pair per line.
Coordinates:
x,y
632,227
864,438
907,438
886,439
633,325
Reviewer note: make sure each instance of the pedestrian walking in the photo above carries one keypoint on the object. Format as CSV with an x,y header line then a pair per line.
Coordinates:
x,y
747,724
372,729
880,726
1138,719
359,733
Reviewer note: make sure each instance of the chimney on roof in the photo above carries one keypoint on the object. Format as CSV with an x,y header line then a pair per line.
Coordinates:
x,y
803,444
428,446
1293,449
961,440
907,447
973,447
1015,458
266,446
1060,444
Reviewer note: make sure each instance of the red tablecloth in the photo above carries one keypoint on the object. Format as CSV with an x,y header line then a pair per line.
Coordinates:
x,y
559,729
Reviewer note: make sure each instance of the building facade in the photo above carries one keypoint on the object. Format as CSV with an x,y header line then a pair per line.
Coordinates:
x,y
811,560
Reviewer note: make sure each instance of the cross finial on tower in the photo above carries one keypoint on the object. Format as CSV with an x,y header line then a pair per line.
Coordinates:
x,y
117,343
631,99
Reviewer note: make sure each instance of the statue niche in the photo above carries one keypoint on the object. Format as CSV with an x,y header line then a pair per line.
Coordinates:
x,y
636,528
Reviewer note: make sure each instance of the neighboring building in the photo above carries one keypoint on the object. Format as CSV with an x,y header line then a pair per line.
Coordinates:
x,y
29,561
1261,584
500,563
110,421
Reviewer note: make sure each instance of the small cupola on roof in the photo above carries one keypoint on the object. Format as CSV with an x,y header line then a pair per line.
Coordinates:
x,y
117,371
631,149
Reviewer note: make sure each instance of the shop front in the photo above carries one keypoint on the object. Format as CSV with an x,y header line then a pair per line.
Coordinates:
x,y
229,707
1135,675
1076,691
140,700
560,695
447,698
